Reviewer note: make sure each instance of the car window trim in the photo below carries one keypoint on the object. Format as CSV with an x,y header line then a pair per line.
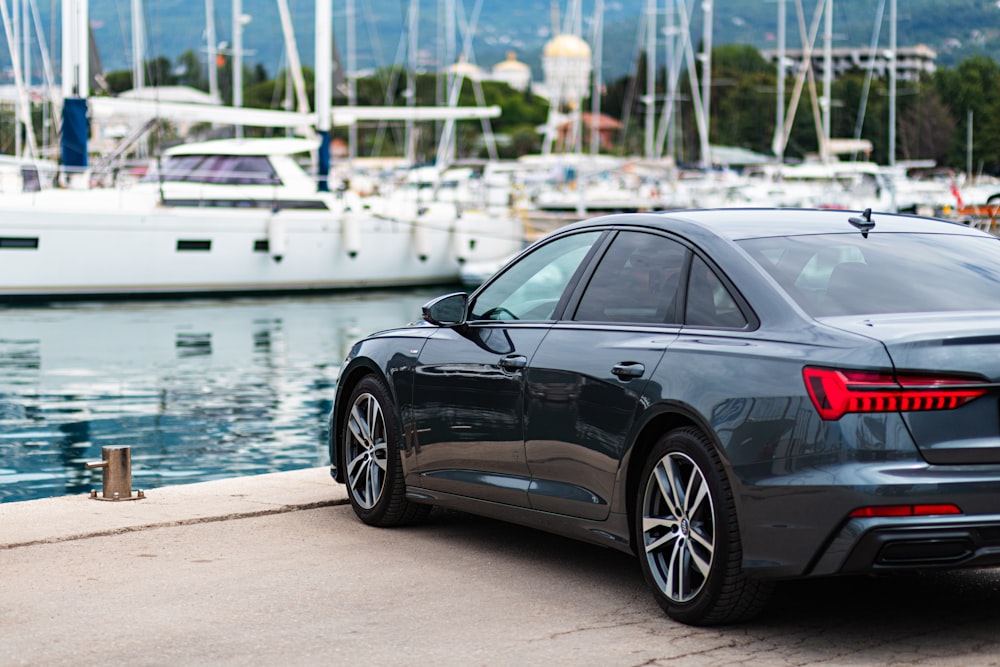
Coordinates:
x,y
572,294
574,301
582,275
752,321
570,300
587,260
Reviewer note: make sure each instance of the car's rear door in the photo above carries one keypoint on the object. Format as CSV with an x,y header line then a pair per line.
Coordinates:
x,y
585,381
468,398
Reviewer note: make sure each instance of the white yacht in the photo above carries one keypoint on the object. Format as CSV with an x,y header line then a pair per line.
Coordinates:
x,y
234,216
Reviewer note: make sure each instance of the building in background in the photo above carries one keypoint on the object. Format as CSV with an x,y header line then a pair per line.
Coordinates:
x,y
912,61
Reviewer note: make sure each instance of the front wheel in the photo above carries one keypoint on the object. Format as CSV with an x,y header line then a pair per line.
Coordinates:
x,y
688,535
374,471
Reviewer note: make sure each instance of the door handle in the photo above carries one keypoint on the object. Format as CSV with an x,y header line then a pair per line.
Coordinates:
x,y
514,362
628,370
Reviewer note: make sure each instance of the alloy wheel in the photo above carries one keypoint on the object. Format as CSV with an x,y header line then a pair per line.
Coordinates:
x,y
678,527
367,451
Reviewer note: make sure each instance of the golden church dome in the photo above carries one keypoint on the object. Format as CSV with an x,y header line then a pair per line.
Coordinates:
x,y
566,46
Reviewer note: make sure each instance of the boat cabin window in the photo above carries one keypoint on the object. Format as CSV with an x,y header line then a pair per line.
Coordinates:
x,y
219,170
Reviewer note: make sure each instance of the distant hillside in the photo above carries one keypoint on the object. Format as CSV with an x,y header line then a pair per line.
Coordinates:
x,y
955,29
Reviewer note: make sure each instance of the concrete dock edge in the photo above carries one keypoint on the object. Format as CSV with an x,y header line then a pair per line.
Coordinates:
x,y
78,516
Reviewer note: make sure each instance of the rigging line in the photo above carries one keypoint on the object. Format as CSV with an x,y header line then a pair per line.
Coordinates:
x,y
696,100
122,32
378,50
46,62
872,50
597,39
390,90
48,72
804,67
148,65
700,104
682,47
22,98
628,103
468,28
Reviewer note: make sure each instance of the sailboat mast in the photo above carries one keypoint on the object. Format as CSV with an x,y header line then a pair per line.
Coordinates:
x,y
75,49
779,129
651,24
213,50
352,84
138,46
827,106
411,78
706,85
14,45
324,88
238,21
893,73
26,46
292,54
595,95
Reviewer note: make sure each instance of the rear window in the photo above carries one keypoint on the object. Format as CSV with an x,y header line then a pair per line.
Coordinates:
x,y
847,274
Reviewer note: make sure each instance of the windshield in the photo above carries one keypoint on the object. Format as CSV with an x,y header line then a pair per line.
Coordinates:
x,y
847,274
217,170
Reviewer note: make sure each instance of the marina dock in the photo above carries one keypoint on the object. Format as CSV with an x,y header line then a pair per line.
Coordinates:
x,y
276,569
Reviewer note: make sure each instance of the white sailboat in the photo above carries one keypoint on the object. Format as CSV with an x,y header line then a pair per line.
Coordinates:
x,y
236,216
233,216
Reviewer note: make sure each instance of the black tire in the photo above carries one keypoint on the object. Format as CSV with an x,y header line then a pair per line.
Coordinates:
x,y
687,535
373,470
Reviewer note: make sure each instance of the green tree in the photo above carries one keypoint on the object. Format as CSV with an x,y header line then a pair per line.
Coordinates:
x,y
742,107
973,87
926,126
190,71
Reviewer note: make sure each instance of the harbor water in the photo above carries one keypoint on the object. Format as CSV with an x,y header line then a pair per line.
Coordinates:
x,y
198,389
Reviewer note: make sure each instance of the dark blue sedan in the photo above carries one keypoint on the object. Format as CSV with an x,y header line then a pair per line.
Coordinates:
x,y
736,396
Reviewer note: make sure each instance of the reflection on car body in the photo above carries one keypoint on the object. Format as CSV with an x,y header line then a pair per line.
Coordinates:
x,y
735,396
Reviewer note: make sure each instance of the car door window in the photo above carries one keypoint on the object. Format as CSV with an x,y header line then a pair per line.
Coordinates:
x,y
709,303
532,287
637,281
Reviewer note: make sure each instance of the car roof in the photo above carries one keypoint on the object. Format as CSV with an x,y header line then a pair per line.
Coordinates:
x,y
745,223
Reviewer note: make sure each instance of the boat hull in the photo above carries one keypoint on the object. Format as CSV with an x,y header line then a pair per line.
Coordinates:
x,y
132,250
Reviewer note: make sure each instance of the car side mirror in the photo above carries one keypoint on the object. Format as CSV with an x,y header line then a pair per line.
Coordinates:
x,y
449,310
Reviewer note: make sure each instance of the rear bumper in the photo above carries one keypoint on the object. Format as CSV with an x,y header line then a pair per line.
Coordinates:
x,y
911,543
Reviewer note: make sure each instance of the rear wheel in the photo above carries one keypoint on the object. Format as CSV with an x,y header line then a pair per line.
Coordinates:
x,y
374,471
688,536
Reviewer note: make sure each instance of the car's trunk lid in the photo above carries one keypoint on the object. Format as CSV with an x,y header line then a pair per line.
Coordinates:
x,y
962,345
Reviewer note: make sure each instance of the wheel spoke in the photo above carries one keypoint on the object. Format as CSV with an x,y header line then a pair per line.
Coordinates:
x,y
355,468
374,483
374,420
675,577
651,525
703,564
664,479
380,453
699,497
704,540
360,427
358,474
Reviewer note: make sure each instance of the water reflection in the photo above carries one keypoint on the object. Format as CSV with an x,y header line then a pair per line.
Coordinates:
x,y
199,390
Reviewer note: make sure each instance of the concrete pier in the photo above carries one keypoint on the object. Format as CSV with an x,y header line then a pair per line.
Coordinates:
x,y
277,570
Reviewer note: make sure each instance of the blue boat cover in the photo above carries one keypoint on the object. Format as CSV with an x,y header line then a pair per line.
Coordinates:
x,y
324,161
75,132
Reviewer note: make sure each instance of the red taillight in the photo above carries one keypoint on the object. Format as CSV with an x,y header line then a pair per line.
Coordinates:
x,y
904,510
837,392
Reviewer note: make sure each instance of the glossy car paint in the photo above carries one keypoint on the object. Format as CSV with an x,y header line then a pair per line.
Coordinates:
x,y
531,422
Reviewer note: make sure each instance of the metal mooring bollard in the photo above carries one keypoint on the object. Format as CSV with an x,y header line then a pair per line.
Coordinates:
x,y
116,463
